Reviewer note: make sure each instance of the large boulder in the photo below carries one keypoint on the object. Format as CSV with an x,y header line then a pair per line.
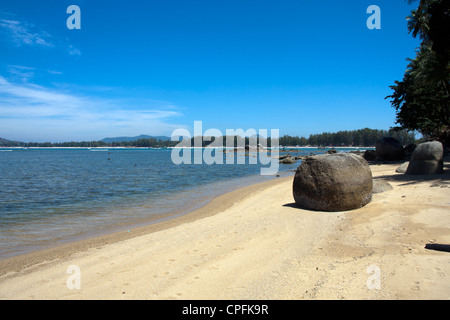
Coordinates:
x,y
427,158
389,149
333,182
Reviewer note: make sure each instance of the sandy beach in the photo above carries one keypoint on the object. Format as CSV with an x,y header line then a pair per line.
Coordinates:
x,y
253,243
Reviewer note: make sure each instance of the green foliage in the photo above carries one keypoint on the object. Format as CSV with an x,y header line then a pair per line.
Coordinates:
x,y
420,106
422,98
362,137
430,22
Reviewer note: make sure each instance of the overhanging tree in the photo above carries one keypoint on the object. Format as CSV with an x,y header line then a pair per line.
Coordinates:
x,y
422,97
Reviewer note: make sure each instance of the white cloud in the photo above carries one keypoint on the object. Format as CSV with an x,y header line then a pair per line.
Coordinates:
x,y
35,113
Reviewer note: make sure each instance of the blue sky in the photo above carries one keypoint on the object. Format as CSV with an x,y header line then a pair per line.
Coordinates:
x,y
149,67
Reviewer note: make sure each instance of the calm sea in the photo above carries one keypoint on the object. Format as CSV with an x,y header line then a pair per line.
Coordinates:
x,y
52,196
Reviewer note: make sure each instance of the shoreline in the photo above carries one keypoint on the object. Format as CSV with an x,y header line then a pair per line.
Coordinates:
x,y
169,148
157,223
199,197
253,243
131,210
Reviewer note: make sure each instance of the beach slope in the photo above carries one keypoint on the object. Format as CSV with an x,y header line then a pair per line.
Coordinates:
x,y
255,244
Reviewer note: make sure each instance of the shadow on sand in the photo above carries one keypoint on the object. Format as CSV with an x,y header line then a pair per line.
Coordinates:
x,y
291,205
408,179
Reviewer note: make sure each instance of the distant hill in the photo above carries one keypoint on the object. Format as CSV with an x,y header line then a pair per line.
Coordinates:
x,y
10,143
129,139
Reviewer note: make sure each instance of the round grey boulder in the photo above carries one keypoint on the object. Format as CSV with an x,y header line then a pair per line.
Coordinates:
x,y
333,182
427,158
389,149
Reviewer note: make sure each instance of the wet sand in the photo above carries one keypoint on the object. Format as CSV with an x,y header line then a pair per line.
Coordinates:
x,y
253,243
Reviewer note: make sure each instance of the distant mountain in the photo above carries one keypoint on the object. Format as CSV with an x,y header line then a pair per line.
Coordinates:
x,y
129,139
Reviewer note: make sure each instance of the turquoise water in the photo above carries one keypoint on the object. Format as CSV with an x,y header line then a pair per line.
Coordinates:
x,y
50,196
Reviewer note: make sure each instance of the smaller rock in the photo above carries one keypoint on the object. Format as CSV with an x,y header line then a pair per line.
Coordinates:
x,y
331,151
402,168
287,160
370,155
380,186
284,156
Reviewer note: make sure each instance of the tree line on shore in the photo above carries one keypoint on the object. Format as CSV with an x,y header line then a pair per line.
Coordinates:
x,y
362,137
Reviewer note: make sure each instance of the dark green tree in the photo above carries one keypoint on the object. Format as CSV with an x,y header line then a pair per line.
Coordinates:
x,y
421,99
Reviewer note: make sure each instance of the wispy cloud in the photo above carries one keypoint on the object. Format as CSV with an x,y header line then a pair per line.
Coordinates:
x,y
23,33
73,51
26,73
33,112
21,72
